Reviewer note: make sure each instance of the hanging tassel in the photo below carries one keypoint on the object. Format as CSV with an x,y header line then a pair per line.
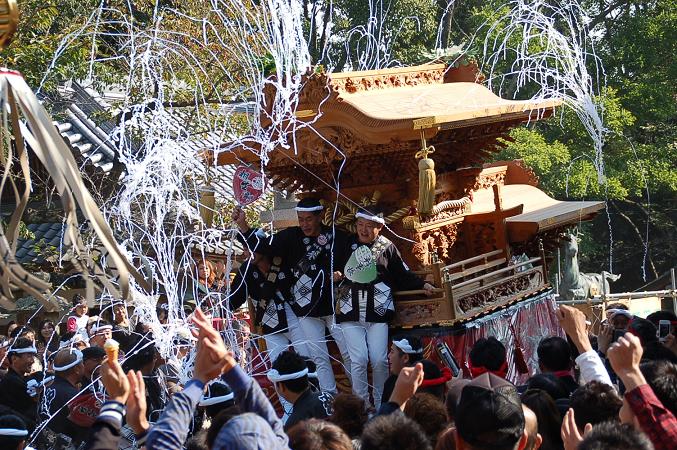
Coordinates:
x,y
520,358
426,177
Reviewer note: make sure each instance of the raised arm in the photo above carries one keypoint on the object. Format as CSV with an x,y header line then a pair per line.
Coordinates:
x,y
170,432
573,322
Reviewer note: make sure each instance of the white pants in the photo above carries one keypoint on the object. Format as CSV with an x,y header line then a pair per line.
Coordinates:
x,y
278,342
313,328
367,343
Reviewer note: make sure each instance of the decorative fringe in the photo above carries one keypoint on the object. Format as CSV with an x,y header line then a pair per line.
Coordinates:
x,y
207,205
426,180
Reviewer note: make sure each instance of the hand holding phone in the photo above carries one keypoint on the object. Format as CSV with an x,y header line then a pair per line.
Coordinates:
x,y
664,329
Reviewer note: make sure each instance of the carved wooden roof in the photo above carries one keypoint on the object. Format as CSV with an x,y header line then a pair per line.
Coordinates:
x,y
371,121
540,211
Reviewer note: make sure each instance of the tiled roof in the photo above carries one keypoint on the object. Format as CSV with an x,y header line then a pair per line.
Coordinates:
x,y
47,236
30,303
87,139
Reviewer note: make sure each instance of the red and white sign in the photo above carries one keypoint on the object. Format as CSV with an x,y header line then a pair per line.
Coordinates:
x,y
247,185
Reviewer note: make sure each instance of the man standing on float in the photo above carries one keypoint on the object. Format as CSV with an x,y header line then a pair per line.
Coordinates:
x,y
365,300
314,254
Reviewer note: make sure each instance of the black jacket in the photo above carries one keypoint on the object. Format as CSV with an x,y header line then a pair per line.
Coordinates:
x,y
267,297
392,274
104,435
311,263
310,405
13,393
57,396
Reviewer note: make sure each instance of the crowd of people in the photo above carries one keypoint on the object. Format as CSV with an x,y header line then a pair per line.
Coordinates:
x,y
64,391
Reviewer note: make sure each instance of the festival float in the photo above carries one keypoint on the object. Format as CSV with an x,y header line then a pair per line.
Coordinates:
x,y
417,141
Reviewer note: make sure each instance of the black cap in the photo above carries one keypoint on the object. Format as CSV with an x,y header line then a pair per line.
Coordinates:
x,y
489,413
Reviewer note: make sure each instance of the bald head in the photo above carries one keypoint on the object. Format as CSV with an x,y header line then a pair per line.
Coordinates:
x,y
534,440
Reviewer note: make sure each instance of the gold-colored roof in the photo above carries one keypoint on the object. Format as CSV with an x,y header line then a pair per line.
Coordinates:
x,y
444,104
382,107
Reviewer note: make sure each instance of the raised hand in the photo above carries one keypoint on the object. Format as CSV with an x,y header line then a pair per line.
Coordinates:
x,y
238,216
604,338
624,356
136,403
213,358
408,382
573,321
571,437
115,381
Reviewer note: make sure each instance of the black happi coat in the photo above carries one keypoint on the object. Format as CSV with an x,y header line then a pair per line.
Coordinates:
x,y
376,297
311,263
268,297
14,394
310,405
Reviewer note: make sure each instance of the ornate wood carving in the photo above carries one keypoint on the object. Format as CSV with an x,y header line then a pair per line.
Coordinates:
x,y
438,241
377,80
419,313
502,292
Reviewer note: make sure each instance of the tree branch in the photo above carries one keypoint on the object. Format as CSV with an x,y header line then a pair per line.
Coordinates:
x,y
603,14
629,221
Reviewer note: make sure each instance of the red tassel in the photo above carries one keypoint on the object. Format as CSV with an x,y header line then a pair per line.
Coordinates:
x,y
520,359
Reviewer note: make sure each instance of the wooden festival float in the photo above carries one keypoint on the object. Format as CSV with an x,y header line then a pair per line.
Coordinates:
x,y
415,140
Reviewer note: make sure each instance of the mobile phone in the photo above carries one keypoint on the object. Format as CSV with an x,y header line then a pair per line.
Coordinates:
x,y
618,333
448,358
664,328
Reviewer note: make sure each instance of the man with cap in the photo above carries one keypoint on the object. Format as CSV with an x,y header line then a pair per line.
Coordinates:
x,y
489,416
14,387
269,288
405,351
365,302
68,371
618,320
314,255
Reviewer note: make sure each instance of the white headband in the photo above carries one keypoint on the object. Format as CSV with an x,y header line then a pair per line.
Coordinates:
x,y
275,376
76,339
13,432
30,349
377,219
621,312
95,329
208,401
309,208
312,374
78,360
405,346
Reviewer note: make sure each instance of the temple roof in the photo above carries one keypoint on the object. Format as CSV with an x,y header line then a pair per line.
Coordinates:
x,y
379,108
447,104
